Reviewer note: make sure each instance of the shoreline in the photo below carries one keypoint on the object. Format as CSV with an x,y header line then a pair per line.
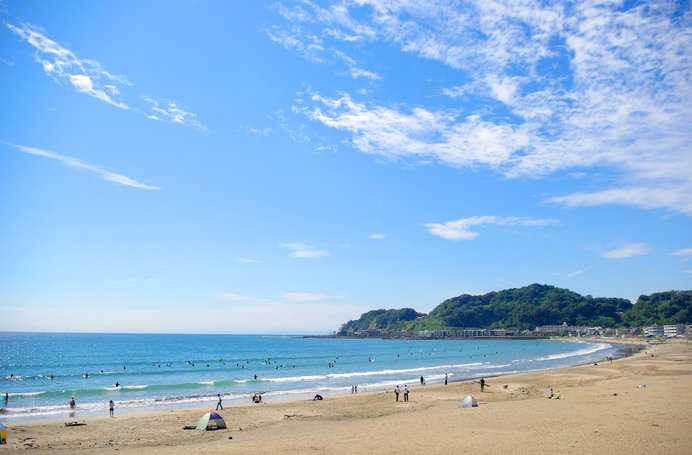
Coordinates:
x,y
603,409
88,409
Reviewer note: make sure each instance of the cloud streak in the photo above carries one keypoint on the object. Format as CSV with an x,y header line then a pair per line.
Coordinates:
x,y
579,272
461,229
88,76
304,251
238,298
78,164
632,249
685,253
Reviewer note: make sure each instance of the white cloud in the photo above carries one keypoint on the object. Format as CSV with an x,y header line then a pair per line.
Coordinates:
x,y
377,236
249,261
78,164
304,251
298,37
585,84
168,111
88,76
579,272
632,249
687,271
460,229
304,296
238,298
685,253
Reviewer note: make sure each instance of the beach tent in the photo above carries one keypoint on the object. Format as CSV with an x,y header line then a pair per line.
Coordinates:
x,y
211,421
3,435
469,402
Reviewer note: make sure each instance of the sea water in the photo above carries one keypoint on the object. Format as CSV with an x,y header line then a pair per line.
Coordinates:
x,y
42,371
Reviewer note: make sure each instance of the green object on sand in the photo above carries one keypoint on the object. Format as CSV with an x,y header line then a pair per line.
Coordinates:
x,y
211,421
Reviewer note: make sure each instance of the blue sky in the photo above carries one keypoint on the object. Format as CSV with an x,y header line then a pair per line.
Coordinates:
x,y
282,167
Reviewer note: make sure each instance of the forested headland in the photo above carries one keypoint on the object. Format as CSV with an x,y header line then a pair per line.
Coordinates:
x,y
531,306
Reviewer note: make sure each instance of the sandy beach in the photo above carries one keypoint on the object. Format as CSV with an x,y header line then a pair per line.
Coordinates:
x,y
603,409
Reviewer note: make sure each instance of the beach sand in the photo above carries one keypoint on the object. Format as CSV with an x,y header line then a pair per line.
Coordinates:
x,y
602,410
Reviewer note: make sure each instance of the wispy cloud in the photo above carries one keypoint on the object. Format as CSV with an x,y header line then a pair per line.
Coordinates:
x,y
377,236
579,272
304,296
78,164
685,254
460,229
168,111
556,86
238,298
84,75
321,46
632,249
88,76
249,261
304,251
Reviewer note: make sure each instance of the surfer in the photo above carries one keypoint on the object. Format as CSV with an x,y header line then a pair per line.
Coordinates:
x,y
117,384
482,383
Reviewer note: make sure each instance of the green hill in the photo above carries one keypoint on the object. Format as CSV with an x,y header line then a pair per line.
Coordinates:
x,y
531,306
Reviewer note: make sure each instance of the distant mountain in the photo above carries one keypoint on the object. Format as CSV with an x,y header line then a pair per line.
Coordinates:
x,y
531,306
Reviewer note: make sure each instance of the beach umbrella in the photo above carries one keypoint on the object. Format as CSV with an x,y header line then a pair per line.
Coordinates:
x,y
3,435
210,421
469,402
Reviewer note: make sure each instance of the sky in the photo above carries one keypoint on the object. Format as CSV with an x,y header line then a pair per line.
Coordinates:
x,y
281,167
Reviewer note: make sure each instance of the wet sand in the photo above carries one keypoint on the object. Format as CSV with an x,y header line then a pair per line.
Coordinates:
x,y
602,409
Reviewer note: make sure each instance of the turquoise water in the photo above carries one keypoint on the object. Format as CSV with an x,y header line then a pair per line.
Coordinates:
x,y
170,371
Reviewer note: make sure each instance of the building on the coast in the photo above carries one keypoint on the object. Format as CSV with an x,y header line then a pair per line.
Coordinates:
x,y
653,330
463,333
372,333
564,329
674,330
625,331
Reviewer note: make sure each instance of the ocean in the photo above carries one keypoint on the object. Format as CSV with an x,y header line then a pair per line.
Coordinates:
x,y
42,371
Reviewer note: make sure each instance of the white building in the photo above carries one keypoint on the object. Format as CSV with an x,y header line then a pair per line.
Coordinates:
x,y
673,330
653,330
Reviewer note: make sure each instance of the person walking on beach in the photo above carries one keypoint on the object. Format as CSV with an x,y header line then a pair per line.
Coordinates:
x,y
396,392
445,378
72,403
405,392
482,383
111,407
218,405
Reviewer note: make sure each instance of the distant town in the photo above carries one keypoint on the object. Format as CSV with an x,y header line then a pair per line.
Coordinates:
x,y
544,331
